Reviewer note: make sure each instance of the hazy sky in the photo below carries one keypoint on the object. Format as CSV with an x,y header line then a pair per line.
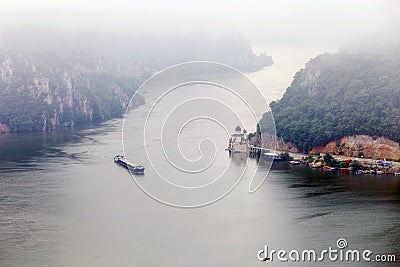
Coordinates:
x,y
263,22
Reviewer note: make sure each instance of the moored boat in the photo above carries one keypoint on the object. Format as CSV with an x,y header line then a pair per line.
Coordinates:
x,y
330,169
344,170
273,156
316,165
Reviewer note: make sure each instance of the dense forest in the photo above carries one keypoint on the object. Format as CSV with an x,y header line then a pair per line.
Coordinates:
x,y
338,95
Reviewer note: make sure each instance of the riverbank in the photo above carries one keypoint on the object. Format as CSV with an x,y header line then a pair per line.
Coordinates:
x,y
364,162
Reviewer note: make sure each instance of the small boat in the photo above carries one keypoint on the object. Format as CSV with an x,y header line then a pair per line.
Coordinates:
x,y
344,170
316,165
294,162
121,160
273,156
327,169
334,169
330,169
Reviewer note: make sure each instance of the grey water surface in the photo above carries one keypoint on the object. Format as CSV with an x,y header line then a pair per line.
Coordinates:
x,y
63,202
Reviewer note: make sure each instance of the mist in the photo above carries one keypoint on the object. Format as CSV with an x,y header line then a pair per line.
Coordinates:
x,y
326,24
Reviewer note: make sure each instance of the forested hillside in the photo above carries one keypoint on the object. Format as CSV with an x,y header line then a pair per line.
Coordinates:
x,y
338,95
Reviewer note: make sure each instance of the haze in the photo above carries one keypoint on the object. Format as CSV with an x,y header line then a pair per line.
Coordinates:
x,y
291,31
263,23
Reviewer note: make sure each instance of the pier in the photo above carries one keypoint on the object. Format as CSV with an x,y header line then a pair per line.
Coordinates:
x,y
255,150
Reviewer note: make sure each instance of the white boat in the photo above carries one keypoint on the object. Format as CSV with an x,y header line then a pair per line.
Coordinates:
x,y
272,156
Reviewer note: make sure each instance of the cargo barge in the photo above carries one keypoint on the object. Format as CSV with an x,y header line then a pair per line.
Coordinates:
x,y
121,160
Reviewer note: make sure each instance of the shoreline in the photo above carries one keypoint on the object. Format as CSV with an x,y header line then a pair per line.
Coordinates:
x,y
362,160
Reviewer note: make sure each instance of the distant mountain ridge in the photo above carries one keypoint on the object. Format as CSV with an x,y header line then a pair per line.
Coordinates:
x,y
340,95
44,87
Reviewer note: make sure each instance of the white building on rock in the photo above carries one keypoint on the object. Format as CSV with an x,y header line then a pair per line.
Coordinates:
x,y
239,142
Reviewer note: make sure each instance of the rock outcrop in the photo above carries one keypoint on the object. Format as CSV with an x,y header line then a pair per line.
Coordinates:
x,y
350,146
370,147
43,92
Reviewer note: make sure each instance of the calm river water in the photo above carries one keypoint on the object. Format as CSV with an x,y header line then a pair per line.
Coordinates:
x,y
63,202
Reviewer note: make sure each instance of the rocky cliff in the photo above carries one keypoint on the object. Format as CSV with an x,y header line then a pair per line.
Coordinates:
x,y
350,146
362,145
42,92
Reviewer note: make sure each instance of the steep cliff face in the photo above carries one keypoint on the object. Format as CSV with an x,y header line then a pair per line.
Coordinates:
x,y
355,146
42,92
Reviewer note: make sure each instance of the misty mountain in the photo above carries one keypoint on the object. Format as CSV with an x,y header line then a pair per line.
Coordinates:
x,y
52,79
161,49
385,41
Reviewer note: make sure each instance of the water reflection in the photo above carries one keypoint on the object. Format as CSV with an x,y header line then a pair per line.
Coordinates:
x,y
239,159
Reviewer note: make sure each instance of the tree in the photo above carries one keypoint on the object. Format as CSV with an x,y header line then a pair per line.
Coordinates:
x,y
258,130
328,158
331,161
286,156
356,165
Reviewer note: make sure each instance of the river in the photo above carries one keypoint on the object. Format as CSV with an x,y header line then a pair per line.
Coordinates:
x,y
64,202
